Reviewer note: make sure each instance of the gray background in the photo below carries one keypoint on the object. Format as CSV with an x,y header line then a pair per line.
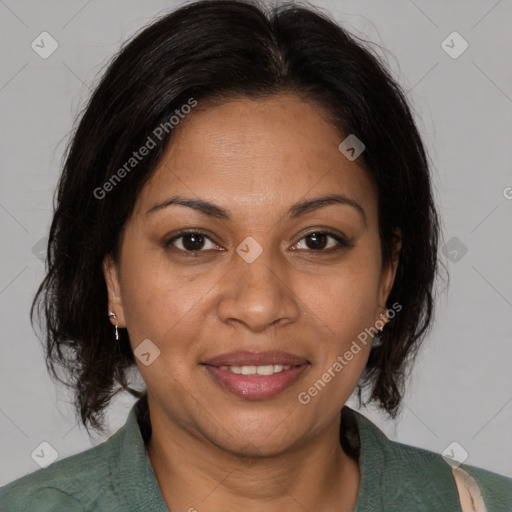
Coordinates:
x,y
461,388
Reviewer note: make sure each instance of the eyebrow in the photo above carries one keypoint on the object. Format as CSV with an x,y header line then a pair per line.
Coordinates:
x,y
296,210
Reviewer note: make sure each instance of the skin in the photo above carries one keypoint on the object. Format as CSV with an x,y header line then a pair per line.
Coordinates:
x,y
212,450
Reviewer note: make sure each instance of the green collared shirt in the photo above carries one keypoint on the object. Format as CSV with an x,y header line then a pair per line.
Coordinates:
x,y
117,476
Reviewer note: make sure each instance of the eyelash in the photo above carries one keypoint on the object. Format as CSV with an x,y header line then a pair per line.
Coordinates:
x,y
343,243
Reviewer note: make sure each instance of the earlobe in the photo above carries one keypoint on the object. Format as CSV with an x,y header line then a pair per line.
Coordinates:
x,y
115,304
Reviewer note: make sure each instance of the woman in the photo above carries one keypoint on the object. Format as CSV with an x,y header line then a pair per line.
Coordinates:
x,y
246,215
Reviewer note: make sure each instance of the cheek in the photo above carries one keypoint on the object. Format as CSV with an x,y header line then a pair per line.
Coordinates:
x,y
157,304
154,296
345,300
164,308
341,313
167,305
343,310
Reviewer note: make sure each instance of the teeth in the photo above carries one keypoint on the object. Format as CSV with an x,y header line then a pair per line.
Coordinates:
x,y
268,369
248,370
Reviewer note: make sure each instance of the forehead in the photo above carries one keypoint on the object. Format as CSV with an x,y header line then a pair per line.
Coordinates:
x,y
257,153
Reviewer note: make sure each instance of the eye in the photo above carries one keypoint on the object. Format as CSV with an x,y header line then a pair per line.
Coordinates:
x,y
191,242
318,241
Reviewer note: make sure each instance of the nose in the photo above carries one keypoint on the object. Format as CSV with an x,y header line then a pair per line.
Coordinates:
x,y
258,295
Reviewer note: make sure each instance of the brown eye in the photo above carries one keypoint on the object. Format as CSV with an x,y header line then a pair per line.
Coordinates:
x,y
322,241
316,241
191,242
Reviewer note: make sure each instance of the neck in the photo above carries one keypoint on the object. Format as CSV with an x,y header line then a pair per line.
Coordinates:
x,y
193,473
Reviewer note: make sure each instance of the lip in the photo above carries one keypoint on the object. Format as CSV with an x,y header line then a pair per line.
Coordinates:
x,y
253,358
255,387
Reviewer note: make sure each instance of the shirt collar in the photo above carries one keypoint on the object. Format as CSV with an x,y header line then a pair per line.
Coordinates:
x,y
134,478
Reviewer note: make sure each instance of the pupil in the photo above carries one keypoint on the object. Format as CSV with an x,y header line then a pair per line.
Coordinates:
x,y
196,241
318,240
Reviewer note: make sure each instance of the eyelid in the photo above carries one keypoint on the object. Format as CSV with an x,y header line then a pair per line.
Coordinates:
x,y
169,241
322,229
343,242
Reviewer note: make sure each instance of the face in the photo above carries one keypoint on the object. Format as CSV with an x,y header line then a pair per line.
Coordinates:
x,y
262,272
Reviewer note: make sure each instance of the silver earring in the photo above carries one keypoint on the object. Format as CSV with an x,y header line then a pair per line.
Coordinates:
x,y
382,316
111,314
377,338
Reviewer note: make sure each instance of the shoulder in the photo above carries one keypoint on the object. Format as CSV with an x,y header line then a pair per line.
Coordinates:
x,y
482,476
18,497
411,478
71,484
496,490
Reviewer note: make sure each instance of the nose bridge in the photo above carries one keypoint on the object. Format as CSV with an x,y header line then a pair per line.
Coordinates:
x,y
257,294
260,275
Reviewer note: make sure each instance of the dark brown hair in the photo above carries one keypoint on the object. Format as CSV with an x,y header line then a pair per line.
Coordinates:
x,y
224,49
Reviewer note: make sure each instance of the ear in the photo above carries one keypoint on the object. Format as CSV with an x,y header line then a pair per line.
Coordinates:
x,y
389,271
115,303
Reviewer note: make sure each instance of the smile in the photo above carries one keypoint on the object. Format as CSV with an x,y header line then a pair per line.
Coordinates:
x,y
255,375
268,369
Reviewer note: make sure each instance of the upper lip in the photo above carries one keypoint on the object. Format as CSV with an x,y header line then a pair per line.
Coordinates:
x,y
253,358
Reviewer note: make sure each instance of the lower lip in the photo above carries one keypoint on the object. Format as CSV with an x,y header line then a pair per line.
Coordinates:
x,y
254,387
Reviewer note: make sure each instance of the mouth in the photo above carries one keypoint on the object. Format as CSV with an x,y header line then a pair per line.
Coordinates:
x,y
255,375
